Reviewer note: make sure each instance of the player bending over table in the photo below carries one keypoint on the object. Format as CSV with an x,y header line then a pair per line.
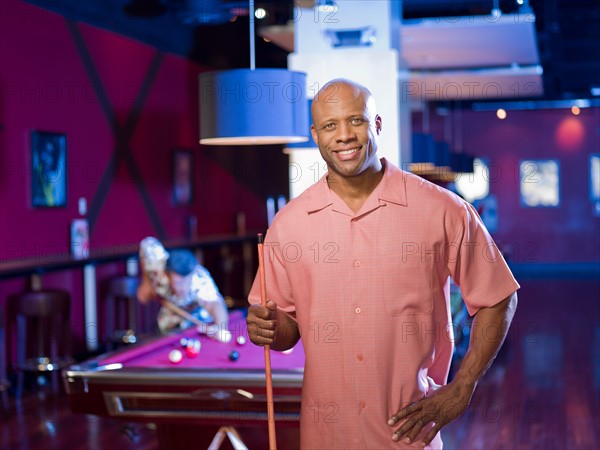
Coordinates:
x,y
178,278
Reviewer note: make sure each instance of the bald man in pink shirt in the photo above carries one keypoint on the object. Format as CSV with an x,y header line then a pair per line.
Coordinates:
x,y
359,267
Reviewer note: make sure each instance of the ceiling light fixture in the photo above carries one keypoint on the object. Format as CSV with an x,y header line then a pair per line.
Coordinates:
x,y
253,106
327,6
260,13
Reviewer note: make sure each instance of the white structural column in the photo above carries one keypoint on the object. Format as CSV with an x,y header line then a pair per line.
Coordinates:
x,y
375,66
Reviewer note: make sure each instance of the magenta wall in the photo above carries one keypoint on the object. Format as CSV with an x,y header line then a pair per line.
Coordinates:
x,y
569,233
96,87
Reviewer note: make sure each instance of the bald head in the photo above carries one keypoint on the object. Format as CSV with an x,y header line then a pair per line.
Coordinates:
x,y
341,89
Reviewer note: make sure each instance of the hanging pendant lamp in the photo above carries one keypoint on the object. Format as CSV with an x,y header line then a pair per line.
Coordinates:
x,y
253,106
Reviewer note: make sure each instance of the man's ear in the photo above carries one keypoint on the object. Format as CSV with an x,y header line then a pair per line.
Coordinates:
x,y
378,123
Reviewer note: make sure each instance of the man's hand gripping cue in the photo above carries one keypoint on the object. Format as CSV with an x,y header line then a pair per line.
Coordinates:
x,y
268,325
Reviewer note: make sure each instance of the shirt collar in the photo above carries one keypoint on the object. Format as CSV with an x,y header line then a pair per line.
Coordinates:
x,y
320,196
391,188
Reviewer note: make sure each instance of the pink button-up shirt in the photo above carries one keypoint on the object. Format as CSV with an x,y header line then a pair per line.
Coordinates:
x,y
370,294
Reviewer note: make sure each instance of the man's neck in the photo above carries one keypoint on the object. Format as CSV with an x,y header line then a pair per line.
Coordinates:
x,y
355,191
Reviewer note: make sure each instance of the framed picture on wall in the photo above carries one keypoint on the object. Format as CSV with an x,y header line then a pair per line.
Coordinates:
x,y
539,183
183,177
48,169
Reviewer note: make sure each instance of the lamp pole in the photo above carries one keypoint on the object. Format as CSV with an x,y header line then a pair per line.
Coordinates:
x,y
252,50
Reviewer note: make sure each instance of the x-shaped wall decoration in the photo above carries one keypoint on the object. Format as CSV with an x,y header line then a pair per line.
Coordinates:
x,y
122,134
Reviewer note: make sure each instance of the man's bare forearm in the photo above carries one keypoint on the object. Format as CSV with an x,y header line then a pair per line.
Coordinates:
x,y
488,331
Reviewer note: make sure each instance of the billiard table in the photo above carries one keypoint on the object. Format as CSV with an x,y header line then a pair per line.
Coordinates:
x,y
189,401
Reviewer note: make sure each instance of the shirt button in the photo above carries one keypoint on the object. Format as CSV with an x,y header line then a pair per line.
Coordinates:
x,y
363,405
356,263
359,357
357,310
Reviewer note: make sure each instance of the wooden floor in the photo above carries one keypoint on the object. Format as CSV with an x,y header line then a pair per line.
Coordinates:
x,y
42,421
542,392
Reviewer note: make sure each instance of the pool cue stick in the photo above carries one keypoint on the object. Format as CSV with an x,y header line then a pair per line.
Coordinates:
x,y
263,302
186,315
181,312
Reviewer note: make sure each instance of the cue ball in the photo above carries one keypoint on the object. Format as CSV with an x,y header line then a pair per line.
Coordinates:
x,y
224,336
175,356
233,356
241,340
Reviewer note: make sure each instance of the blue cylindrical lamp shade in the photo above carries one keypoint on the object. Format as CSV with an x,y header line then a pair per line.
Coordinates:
x,y
310,143
253,107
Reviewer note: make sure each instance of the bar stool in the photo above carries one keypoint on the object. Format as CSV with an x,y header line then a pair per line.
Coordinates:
x,y
4,384
126,318
43,333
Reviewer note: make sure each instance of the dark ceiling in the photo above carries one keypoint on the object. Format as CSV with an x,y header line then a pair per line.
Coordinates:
x,y
215,33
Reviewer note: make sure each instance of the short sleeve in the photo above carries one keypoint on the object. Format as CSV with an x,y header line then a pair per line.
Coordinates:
x,y
278,286
476,265
203,286
153,255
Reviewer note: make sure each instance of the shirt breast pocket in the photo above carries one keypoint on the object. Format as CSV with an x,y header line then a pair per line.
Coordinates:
x,y
408,288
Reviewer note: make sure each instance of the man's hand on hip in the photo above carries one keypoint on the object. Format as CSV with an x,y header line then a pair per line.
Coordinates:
x,y
440,407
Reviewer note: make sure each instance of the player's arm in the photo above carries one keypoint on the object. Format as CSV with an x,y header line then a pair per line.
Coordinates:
x,y
271,326
219,329
153,257
145,290
441,406
208,296
218,310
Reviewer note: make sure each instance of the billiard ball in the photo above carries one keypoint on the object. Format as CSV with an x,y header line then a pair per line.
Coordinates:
x,y
241,340
175,356
192,351
184,342
224,336
233,356
195,343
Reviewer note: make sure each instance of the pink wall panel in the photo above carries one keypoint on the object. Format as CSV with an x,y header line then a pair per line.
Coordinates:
x,y
568,233
48,84
122,65
42,89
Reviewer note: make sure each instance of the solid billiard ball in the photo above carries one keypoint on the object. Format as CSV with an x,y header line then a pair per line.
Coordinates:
x,y
184,342
241,340
175,356
192,351
233,356
195,343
